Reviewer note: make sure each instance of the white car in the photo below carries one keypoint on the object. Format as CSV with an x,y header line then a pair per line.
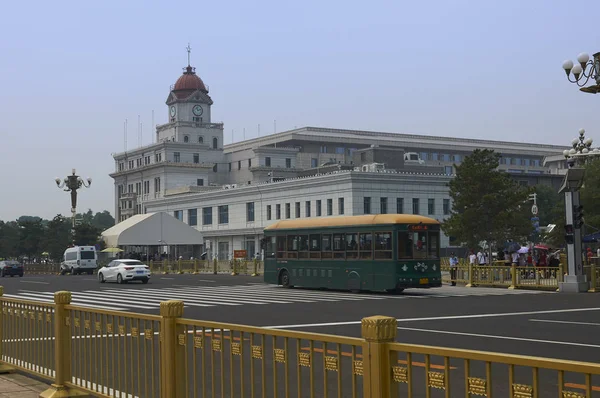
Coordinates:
x,y
123,271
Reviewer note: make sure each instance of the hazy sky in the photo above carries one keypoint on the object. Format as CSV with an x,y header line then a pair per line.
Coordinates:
x,y
71,72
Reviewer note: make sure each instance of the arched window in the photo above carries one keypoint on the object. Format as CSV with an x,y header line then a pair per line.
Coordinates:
x,y
200,140
215,143
186,138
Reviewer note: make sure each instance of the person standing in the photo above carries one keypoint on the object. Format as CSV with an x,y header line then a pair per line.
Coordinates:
x,y
453,268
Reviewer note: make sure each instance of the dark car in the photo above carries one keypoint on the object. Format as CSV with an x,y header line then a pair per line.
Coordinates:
x,y
11,268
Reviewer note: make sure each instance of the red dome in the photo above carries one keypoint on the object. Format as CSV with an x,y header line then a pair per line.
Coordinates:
x,y
189,82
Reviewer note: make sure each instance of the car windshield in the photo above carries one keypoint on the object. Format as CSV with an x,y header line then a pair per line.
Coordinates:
x,y
132,262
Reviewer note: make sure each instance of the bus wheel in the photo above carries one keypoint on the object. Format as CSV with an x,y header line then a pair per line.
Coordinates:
x,y
284,279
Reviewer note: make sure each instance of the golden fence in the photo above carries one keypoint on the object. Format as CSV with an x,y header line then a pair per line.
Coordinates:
x,y
119,354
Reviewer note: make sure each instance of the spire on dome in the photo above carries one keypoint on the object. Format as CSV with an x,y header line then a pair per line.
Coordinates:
x,y
189,50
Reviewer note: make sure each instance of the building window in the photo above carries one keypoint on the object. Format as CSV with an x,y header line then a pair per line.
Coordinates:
x,y
278,212
430,206
178,214
200,140
207,216
215,168
249,163
339,150
268,212
446,207
448,170
193,217
200,182
157,184
196,158
268,161
400,205
215,143
177,157
415,206
224,214
319,208
229,166
288,163
288,210
250,211
367,205
323,149
239,164
383,205
186,138
307,208
340,206
297,209
121,166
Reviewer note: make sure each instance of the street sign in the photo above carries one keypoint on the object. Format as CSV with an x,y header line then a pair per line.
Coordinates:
x,y
534,210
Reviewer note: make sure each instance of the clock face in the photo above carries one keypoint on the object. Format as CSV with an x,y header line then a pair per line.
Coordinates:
x,y
172,111
197,109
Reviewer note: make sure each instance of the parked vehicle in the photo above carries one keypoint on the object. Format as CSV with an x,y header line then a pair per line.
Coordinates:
x,y
123,271
11,268
79,259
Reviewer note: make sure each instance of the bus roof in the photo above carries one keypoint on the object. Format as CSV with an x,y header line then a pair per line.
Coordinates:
x,y
346,221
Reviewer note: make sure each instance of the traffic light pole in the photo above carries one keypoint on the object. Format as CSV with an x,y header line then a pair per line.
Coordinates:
x,y
575,281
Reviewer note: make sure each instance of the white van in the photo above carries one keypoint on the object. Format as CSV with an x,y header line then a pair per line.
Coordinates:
x,y
79,259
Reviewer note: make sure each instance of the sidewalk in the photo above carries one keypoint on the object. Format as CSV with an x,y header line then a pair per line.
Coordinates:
x,y
16,385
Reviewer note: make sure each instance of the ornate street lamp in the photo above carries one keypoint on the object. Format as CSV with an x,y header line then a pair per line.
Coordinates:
x,y
586,69
577,156
72,183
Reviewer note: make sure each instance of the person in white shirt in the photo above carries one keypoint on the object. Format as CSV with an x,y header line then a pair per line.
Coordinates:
x,y
515,258
480,258
472,258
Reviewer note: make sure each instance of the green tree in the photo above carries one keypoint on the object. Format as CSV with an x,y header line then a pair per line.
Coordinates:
x,y
87,234
103,220
487,205
590,194
31,236
9,239
57,239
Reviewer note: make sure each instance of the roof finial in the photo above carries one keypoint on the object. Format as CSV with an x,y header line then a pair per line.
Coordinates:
x,y
189,50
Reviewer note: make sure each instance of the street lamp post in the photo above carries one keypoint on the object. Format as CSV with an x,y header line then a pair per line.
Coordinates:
x,y
575,281
586,69
72,183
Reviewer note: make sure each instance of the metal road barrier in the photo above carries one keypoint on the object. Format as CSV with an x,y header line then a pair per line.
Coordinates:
x,y
81,350
233,267
41,269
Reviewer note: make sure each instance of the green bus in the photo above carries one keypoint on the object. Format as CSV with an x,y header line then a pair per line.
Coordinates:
x,y
383,252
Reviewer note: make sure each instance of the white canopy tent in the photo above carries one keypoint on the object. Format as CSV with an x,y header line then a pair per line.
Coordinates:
x,y
153,229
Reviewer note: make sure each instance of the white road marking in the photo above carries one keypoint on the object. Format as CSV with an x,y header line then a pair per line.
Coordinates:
x,y
76,300
491,336
52,302
169,279
566,322
41,283
435,318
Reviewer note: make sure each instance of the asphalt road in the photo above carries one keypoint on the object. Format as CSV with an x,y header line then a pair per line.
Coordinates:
x,y
545,324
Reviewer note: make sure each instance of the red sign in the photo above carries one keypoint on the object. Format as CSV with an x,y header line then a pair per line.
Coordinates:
x,y
419,227
239,254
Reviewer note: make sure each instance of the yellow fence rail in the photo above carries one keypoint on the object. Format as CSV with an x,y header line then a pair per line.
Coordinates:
x,y
119,354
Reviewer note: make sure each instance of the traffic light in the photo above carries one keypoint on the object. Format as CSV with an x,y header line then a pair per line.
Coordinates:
x,y
578,216
569,234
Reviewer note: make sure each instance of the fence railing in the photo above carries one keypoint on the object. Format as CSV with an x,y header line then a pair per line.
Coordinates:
x,y
121,354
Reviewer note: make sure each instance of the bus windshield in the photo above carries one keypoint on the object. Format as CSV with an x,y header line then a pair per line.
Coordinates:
x,y
418,245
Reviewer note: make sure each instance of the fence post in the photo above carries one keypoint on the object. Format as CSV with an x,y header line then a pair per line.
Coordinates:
x,y
513,277
62,350
172,360
215,266
179,266
195,266
592,288
377,331
234,267
4,368
470,275
255,272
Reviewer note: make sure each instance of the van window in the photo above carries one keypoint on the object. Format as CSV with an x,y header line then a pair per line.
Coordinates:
x,y
70,256
88,255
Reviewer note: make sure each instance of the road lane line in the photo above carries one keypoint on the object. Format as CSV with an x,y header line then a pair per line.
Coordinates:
x,y
491,336
75,300
567,322
220,298
435,318
170,279
41,283
51,301
164,294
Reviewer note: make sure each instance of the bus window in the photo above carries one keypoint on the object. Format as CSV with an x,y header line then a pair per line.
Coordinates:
x,y
420,244
326,247
271,247
352,246
383,245
434,247
405,245
339,248
281,246
366,246
315,246
292,246
303,246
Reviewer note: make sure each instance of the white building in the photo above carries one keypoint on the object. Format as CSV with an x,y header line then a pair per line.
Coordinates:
x,y
231,193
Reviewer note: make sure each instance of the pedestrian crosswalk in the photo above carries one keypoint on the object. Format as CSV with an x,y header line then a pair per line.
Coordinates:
x,y
238,295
